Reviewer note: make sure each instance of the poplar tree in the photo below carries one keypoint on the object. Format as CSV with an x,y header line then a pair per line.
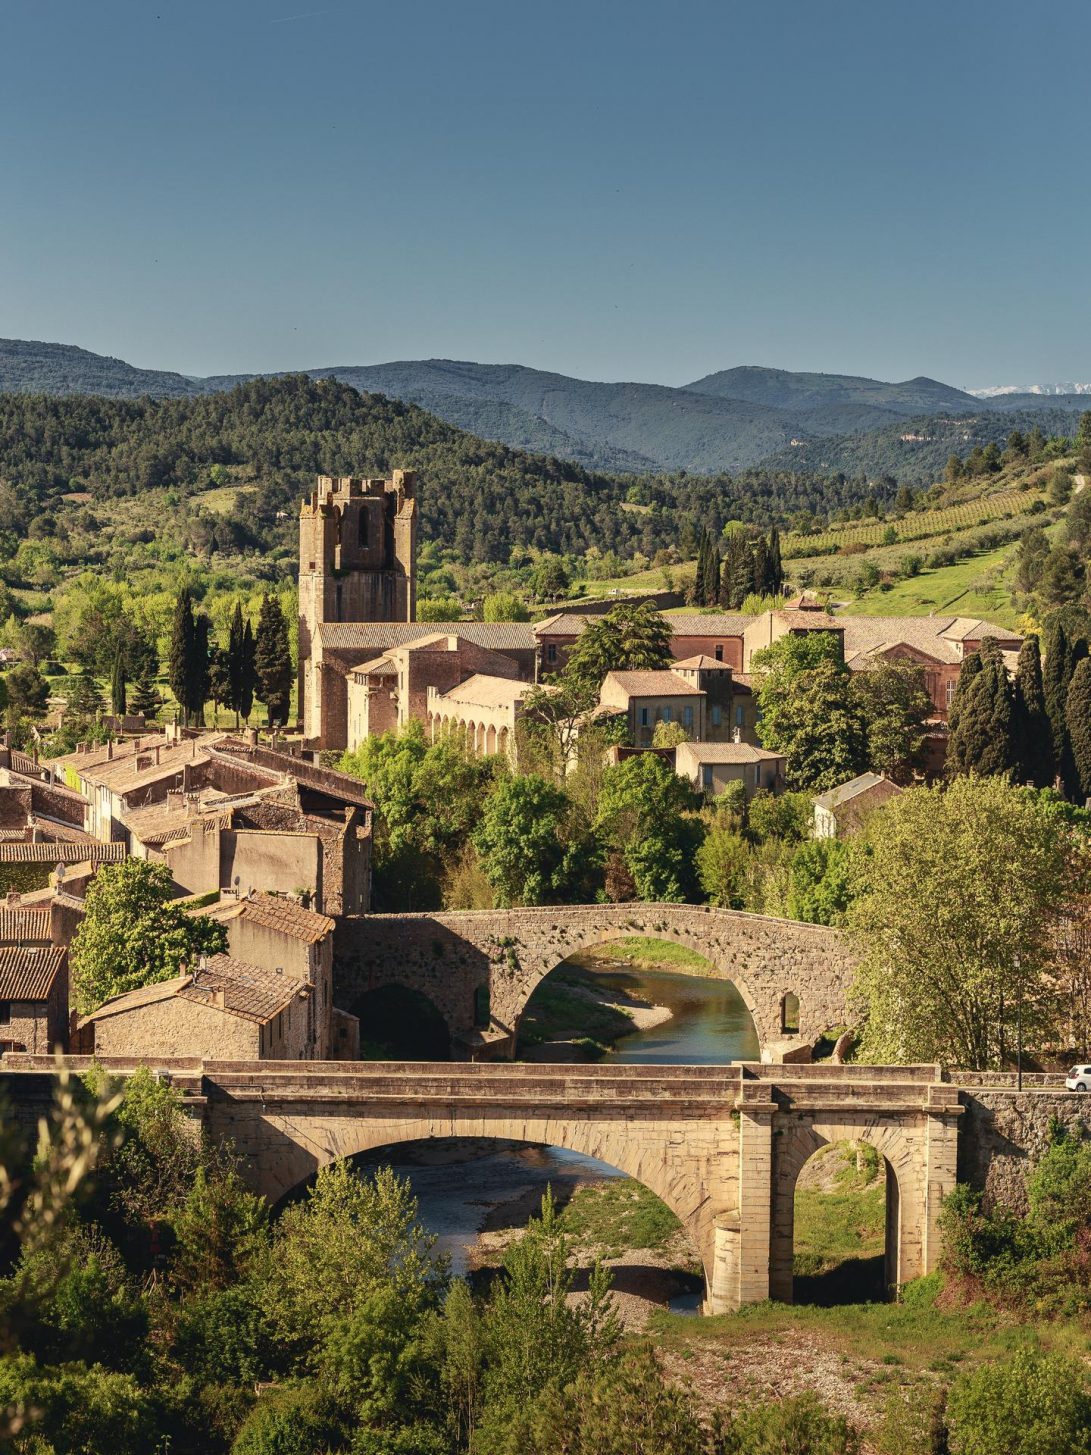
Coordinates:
x,y
1078,723
273,661
1033,735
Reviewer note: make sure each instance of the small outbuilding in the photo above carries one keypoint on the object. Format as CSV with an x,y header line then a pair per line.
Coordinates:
x,y
841,810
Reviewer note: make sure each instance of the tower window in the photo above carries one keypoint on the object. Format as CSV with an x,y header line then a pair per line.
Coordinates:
x,y
338,595
361,527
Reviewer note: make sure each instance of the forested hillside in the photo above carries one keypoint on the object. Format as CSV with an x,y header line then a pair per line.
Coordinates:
x,y
274,435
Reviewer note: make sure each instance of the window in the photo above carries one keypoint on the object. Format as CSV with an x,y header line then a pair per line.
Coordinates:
x,y
719,652
643,717
715,714
5,1012
551,652
950,694
666,714
740,716
482,1012
361,527
338,595
706,775
687,717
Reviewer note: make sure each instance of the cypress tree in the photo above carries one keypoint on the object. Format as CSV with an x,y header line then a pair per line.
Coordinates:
x,y
711,591
200,676
273,661
759,565
775,567
118,685
1033,734
1066,646
961,751
1078,722
236,663
248,680
982,738
180,667
701,573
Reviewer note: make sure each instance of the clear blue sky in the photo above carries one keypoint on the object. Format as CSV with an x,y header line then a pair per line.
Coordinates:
x,y
614,190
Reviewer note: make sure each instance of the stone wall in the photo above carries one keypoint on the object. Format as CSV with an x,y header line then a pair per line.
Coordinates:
x,y
452,958
1004,1132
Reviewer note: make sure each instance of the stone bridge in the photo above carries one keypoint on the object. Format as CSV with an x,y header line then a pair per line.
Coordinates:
x,y
479,968
721,1145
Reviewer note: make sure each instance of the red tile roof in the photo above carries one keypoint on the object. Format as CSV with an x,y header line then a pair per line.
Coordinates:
x,y
28,973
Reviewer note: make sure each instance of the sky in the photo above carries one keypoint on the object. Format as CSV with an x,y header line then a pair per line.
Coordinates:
x,y
627,190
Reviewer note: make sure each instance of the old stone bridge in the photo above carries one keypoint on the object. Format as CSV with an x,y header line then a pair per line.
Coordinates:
x,y
479,968
721,1145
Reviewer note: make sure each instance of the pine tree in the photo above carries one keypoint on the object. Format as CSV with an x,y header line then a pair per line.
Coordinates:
x,y
118,685
273,661
146,699
180,667
1033,734
1078,722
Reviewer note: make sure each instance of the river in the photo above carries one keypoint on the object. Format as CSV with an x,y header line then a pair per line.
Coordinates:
x,y
472,1195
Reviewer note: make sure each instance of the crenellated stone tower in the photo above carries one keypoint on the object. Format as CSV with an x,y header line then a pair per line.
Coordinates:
x,y
357,562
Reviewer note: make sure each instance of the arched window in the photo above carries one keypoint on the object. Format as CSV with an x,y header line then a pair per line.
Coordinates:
x,y
789,1014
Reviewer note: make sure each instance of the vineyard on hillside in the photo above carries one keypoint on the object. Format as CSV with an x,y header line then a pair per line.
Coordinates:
x,y
914,526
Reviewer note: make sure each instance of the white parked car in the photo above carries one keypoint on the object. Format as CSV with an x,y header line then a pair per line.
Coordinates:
x,y
1078,1079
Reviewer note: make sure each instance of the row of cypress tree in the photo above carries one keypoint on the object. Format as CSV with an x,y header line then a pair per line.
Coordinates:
x,y
249,665
749,564
1036,728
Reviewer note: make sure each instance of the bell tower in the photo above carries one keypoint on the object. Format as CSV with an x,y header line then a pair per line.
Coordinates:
x,y
357,562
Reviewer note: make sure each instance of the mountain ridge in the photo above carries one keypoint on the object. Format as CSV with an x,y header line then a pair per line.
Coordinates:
x,y
729,420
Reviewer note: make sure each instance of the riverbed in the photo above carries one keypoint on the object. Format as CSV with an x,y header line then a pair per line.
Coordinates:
x,y
476,1197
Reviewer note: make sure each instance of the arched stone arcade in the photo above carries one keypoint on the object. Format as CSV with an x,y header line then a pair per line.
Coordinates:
x,y
776,965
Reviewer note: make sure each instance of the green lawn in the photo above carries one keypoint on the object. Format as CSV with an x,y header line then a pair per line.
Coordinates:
x,y
974,587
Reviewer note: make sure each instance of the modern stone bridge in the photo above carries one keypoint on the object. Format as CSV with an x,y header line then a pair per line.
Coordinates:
x,y
721,1145
480,968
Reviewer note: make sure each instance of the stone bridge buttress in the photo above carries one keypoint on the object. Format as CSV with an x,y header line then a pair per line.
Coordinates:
x,y
479,968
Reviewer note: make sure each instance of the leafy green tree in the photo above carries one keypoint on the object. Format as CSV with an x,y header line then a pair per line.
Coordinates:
x,y
627,639
946,975
785,816
133,934
1062,579
1031,727
550,578
821,881
34,641
642,816
291,1420
982,734
27,689
273,661
894,706
1031,557
723,862
528,850
669,735
1029,1404
80,1409
808,710
504,606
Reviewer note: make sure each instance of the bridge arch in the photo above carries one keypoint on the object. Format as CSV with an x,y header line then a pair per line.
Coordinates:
x,y
449,955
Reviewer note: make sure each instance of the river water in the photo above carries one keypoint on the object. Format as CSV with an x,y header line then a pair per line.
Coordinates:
x,y
462,1189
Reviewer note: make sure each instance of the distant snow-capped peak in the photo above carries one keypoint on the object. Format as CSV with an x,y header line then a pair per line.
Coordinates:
x,y
995,390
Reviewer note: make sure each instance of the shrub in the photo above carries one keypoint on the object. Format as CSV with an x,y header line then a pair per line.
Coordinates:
x,y
1031,1404
291,1420
798,1426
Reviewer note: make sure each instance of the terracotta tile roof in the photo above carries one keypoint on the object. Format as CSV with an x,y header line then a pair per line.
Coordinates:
x,y
853,788
933,636
275,913
714,624
377,666
481,690
21,925
25,764
133,999
62,833
93,852
563,624
249,991
654,684
380,636
28,973
972,628
701,663
14,836
726,753
808,619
